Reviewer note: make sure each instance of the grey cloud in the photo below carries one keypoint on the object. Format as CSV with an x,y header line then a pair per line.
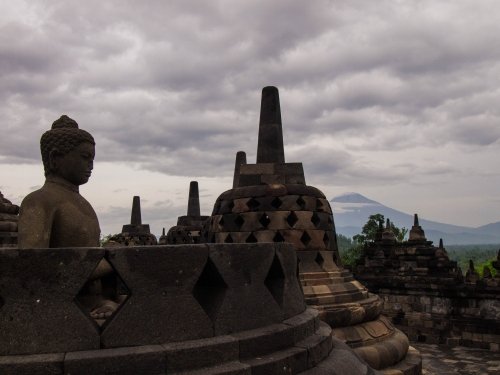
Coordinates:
x,y
174,86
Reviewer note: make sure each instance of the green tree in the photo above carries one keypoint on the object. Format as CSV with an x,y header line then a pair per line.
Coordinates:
x,y
105,239
370,229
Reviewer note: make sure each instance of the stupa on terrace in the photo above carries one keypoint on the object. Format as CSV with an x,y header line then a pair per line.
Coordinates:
x,y
270,202
188,228
136,233
8,222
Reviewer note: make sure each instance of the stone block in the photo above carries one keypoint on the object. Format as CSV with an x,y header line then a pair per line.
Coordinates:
x,y
162,281
265,235
250,221
289,168
299,189
289,296
229,368
305,324
289,361
264,340
250,180
38,288
295,179
240,205
257,169
272,179
144,360
308,262
318,345
322,205
182,356
36,364
244,268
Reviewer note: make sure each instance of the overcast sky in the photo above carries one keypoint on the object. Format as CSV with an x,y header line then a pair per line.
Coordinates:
x,y
396,100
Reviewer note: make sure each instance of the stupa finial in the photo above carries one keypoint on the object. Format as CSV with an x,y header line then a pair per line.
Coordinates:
x,y
194,200
270,144
241,158
415,220
135,218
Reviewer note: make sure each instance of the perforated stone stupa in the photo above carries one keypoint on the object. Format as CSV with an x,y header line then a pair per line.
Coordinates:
x,y
188,228
8,222
270,202
136,233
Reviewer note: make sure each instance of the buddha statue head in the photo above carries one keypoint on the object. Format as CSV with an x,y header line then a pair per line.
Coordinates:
x,y
67,151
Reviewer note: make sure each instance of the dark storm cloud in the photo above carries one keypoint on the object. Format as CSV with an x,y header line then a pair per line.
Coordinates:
x,y
174,86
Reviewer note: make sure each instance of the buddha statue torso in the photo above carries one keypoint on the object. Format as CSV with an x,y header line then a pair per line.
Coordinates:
x,y
57,216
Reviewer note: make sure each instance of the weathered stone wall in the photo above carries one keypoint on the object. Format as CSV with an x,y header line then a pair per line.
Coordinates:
x,y
455,320
174,293
198,309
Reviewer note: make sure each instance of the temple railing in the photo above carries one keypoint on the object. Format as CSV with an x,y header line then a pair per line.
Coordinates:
x,y
170,293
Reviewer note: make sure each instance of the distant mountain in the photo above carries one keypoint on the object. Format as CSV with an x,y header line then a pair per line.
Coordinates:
x,y
351,211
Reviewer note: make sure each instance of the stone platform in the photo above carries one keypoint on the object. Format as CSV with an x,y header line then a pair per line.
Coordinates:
x,y
443,360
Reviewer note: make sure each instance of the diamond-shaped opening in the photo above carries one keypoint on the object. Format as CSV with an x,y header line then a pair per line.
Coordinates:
x,y
330,221
264,220
221,221
276,203
275,281
305,238
315,219
230,205
319,259
100,299
319,204
239,221
326,240
278,237
253,204
228,238
301,202
251,239
292,219
210,290
2,302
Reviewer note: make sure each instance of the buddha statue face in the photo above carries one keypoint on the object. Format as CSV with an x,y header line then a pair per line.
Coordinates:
x,y
74,166
68,152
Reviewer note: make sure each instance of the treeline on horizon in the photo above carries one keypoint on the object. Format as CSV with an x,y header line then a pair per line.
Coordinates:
x,y
481,255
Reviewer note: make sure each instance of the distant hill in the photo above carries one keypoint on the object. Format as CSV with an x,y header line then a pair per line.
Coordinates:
x,y
351,211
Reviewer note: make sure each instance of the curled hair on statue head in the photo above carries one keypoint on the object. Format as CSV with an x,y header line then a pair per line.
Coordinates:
x,y
63,137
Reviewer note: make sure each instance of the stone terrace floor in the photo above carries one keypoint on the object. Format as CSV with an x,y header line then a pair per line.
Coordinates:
x,y
443,360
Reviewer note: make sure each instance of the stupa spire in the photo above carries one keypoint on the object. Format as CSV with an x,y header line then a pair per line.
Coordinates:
x,y
241,158
135,217
194,200
415,220
270,144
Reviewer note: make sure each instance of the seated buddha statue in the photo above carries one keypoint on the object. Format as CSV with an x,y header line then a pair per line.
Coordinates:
x,y
56,215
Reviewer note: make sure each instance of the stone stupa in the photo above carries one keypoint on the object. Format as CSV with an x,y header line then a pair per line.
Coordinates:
x,y
8,222
270,202
188,227
136,233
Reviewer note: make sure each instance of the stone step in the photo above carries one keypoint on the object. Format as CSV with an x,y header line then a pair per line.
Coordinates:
x,y
333,299
303,355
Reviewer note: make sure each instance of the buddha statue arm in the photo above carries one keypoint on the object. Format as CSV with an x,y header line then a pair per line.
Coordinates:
x,y
35,223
